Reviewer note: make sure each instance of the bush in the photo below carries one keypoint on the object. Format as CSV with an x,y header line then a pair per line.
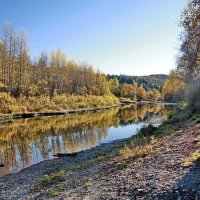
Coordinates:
x,y
5,98
6,102
23,104
147,131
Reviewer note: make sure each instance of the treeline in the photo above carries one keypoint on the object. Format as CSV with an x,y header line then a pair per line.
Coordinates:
x,y
137,88
48,79
184,82
135,92
45,75
149,82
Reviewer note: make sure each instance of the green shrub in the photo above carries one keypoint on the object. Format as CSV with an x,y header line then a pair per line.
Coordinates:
x,y
178,115
147,131
164,129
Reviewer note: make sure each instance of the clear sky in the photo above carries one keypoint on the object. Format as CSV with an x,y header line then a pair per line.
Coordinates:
x,y
135,37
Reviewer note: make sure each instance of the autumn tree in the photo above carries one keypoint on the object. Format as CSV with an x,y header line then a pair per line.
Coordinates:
x,y
126,90
141,93
14,59
189,62
47,75
114,86
153,95
189,59
7,54
173,88
42,65
134,95
24,63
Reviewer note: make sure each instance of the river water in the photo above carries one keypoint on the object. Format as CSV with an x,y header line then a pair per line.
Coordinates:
x,y
29,141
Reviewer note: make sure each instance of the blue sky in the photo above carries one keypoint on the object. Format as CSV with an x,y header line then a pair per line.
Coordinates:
x,y
117,36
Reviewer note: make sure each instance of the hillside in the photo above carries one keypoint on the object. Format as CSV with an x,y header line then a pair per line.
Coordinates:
x,y
149,82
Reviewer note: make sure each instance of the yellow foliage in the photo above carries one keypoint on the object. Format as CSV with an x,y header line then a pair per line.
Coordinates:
x,y
59,102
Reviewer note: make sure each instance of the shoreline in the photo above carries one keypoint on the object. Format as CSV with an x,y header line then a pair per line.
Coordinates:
x,y
80,155
21,182
102,172
4,117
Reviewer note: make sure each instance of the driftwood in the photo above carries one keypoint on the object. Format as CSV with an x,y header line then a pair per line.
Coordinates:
x,y
65,155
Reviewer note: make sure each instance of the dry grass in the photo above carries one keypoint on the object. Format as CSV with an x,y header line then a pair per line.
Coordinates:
x,y
58,102
187,163
51,179
195,156
136,152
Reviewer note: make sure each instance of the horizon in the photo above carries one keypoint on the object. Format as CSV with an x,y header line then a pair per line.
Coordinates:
x,y
135,75
105,34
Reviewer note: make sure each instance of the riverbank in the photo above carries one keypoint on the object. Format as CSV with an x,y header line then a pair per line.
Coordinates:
x,y
102,172
58,103
4,117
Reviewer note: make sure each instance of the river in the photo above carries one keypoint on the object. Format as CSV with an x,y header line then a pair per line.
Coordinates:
x,y
25,142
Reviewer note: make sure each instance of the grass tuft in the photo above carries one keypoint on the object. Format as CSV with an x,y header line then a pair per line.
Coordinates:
x,y
196,156
52,194
136,152
51,179
187,163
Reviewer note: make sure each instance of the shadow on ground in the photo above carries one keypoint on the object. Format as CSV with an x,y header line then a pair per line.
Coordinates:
x,y
188,188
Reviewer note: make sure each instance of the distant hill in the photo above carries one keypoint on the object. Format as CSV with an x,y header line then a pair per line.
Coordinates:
x,y
149,82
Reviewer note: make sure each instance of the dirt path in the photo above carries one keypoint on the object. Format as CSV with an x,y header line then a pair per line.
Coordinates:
x,y
97,174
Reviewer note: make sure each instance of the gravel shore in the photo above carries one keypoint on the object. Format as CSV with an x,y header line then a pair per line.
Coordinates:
x,y
97,174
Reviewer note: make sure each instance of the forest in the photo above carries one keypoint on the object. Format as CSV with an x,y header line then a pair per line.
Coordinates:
x,y
113,136
54,82
154,81
50,82
183,83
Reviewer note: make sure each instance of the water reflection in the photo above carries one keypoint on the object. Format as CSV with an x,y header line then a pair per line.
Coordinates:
x,y
29,141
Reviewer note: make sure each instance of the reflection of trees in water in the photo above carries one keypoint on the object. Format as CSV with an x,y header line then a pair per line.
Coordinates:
x,y
140,113
42,144
166,111
22,141
45,136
